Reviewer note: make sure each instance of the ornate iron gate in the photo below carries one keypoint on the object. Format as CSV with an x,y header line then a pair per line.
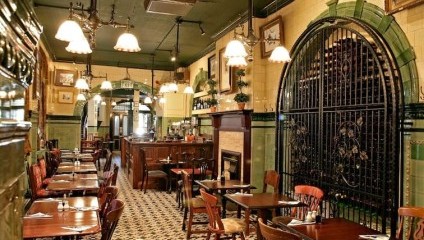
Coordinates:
x,y
338,121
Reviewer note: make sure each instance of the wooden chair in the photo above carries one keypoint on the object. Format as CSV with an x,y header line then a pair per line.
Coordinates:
x,y
146,173
110,193
271,178
310,195
411,223
115,174
108,162
185,157
270,233
112,217
36,184
192,206
220,226
43,171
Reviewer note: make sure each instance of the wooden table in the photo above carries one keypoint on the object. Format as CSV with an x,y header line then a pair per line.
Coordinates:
x,y
73,185
78,176
222,187
83,168
84,157
260,202
53,226
331,229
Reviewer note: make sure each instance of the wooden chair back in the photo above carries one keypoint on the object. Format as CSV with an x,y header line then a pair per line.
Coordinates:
x,y
43,167
271,178
108,162
112,217
187,188
215,223
115,174
311,196
270,233
110,193
411,223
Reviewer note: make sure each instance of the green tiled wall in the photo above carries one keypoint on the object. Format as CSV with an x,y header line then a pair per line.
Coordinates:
x,y
68,132
263,151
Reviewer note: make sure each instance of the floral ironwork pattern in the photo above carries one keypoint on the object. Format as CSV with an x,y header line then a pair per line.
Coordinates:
x,y
298,141
347,151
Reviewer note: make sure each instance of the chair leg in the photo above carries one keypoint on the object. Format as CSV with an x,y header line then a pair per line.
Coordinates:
x,y
184,218
189,225
208,236
233,236
147,182
217,236
242,236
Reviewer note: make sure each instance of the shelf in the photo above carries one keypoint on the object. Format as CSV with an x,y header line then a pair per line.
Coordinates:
x,y
200,94
200,111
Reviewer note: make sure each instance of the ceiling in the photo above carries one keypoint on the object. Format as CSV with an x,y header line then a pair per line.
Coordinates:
x,y
156,33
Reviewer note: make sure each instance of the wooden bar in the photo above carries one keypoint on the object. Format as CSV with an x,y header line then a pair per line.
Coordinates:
x,y
156,151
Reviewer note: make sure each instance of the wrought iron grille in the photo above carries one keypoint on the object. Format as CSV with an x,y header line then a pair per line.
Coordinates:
x,y
338,116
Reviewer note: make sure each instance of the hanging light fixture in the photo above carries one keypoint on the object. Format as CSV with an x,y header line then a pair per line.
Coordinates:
x,y
103,103
173,87
235,48
81,97
148,100
81,83
79,46
127,42
113,103
188,90
72,32
164,88
97,98
106,84
162,100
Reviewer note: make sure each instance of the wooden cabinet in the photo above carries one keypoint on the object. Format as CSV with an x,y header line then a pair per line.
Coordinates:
x,y
156,151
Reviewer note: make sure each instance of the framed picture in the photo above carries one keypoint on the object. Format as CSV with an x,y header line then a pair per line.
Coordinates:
x,y
65,78
212,67
272,34
65,97
393,6
225,74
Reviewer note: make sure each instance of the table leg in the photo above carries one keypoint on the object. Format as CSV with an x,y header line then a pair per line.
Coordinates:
x,y
247,221
261,214
224,204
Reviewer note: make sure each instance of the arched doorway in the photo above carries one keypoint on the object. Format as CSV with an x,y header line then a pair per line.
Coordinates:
x,y
338,126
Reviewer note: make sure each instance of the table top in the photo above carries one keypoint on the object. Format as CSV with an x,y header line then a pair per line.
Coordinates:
x,y
261,200
214,185
62,223
178,171
78,176
49,205
71,155
77,184
67,168
331,229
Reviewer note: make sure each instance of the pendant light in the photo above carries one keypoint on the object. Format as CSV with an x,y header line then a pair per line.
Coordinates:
x,y
237,62
97,98
106,84
188,90
280,55
81,97
69,30
79,46
127,42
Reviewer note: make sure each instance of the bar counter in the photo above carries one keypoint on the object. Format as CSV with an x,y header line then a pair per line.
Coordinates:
x,y
156,151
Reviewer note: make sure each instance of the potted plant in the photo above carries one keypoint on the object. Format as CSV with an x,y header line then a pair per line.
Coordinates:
x,y
241,98
212,102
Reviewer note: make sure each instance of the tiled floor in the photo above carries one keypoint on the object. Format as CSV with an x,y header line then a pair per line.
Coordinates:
x,y
150,216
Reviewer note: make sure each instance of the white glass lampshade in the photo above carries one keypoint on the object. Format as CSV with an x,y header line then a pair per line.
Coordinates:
x,y
3,94
69,31
79,46
279,55
164,89
162,100
113,103
188,90
103,103
237,62
82,84
173,87
106,85
235,48
143,108
127,42
147,100
81,97
97,98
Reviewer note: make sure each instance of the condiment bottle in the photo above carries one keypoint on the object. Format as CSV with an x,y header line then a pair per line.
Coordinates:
x,y
222,177
308,217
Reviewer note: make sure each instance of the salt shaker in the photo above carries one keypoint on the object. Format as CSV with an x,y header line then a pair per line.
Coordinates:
x,y
60,206
314,215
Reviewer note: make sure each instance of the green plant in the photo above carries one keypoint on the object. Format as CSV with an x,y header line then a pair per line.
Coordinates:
x,y
212,102
241,97
212,91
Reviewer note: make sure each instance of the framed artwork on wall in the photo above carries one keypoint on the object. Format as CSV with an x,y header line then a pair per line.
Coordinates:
x,y
65,97
393,6
225,74
272,30
65,78
212,67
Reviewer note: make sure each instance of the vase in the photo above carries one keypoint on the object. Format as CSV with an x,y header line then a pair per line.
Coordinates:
x,y
241,105
213,109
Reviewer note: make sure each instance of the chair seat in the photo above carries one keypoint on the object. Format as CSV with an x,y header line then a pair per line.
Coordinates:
x,y
233,225
198,203
46,181
157,173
